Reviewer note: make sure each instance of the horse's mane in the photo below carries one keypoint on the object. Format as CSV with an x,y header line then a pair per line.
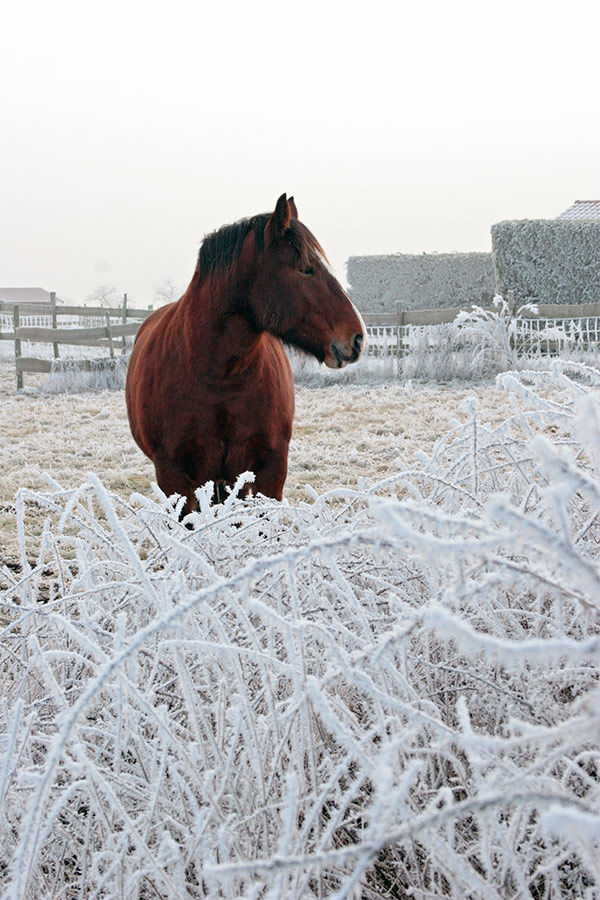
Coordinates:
x,y
221,249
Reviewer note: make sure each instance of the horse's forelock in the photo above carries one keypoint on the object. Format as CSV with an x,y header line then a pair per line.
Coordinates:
x,y
304,242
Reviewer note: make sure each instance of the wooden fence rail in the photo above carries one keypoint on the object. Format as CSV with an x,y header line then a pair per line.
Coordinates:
x,y
91,337
91,312
101,336
441,316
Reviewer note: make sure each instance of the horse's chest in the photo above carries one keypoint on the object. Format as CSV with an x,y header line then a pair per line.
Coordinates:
x,y
255,413
259,397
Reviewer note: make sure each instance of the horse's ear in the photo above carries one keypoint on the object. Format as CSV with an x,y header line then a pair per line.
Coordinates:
x,y
280,220
293,208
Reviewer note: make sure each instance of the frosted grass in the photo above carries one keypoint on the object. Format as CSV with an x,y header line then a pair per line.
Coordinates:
x,y
358,696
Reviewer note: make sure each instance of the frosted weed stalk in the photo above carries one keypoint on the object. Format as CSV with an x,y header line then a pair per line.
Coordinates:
x,y
358,696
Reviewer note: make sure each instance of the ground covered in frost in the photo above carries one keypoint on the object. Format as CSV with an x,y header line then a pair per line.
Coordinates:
x,y
384,687
342,433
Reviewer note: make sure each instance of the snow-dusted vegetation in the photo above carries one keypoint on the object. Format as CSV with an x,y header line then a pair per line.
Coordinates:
x,y
389,691
540,258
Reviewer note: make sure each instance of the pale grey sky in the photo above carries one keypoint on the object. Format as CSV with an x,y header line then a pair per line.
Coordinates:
x,y
128,130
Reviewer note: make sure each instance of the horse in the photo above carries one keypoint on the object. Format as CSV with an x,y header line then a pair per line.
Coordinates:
x,y
210,390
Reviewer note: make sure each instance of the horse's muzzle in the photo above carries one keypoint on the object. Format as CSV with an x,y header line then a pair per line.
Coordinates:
x,y
343,353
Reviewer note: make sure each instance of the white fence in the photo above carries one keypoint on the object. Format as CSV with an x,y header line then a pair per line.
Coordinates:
x,y
550,331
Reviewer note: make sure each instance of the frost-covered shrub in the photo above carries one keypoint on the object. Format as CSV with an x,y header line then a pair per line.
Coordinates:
x,y
435,353
385,692
493,336
548,260
97,374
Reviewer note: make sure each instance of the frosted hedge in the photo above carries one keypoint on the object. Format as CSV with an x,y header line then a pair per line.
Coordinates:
x,y
548,260
384,692
420,281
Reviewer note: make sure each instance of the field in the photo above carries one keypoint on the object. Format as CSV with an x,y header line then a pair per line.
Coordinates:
x,y
384,687
342,433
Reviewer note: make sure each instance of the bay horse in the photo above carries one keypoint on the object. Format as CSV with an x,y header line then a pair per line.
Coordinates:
x,y
210,391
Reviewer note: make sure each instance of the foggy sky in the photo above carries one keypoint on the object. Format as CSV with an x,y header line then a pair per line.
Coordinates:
x,y
129,130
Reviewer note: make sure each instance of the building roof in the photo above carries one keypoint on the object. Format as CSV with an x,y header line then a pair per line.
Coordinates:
x,y
25,295
582,209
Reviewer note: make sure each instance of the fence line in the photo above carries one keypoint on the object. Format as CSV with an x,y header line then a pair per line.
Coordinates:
x,y
387,331
101,336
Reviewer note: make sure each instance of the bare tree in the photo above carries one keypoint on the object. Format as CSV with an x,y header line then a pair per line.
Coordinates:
x,y
166,292
105,295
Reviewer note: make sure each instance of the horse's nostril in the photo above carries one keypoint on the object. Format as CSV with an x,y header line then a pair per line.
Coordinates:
x,y
337,354
358,342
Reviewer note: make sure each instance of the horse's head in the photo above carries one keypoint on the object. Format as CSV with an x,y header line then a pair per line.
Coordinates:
x,y
295,296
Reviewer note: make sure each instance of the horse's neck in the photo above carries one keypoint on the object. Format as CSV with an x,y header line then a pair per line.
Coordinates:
x,y
214,329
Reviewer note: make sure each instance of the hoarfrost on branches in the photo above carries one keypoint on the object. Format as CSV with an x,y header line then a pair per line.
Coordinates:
x,y
362,695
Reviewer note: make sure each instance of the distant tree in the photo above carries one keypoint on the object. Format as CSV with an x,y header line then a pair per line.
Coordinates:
x,y
166,292
105,295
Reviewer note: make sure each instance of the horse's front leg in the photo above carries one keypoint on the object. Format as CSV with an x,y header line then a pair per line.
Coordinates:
x,y
270,472
172,479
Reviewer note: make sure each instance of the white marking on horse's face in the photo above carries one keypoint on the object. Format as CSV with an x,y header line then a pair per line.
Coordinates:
x,y
329,267
363,327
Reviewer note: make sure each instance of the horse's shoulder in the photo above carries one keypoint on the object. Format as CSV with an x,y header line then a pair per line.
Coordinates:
x,y
162,314
155,323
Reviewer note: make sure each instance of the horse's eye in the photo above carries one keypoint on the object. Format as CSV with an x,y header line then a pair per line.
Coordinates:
x,y
309,270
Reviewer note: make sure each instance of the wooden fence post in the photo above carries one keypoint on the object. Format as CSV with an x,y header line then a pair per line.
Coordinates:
x,y
109,333
124,321
399,326
514,337
510,299
17,348
54,320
